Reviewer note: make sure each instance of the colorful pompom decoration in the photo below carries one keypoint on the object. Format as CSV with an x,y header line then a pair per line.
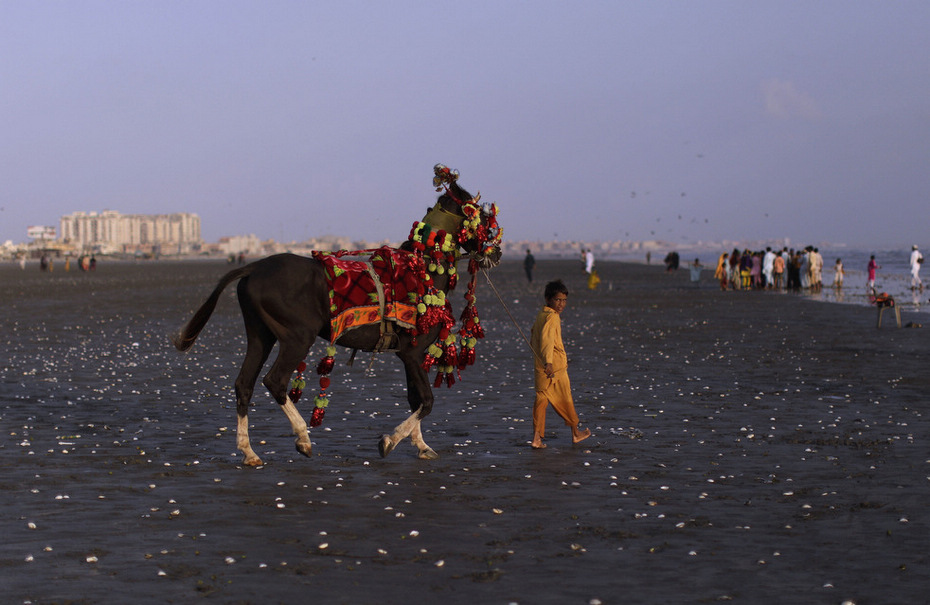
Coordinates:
x,y
440,252
323,369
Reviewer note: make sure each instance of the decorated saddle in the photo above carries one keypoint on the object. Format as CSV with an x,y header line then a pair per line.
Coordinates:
x,y
372,286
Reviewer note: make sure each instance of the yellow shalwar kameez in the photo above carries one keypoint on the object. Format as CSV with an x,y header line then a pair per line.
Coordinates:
x,y
546,342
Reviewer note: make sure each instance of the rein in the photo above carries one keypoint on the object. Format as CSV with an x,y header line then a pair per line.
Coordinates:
x,y
512,318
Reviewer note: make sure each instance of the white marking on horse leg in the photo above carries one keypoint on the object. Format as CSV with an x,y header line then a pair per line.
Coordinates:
x,y
404,429
401,431
299,426
408,428
416,436
242,442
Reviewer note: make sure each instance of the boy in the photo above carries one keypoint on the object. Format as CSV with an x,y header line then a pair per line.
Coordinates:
x,y
551,367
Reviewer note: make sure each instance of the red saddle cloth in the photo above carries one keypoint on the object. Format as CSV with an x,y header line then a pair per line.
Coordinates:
x,y
353,294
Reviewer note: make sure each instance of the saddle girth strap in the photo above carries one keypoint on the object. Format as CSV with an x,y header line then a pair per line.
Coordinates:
x,y
388,340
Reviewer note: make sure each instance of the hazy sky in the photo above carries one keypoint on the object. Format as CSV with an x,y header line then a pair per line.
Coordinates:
x,y
681,121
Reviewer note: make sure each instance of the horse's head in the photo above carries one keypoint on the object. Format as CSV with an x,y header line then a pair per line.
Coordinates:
x,y
472,224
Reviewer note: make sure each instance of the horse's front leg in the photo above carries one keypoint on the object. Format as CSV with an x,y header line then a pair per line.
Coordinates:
x,y
401,432
416,437
408,428
420,397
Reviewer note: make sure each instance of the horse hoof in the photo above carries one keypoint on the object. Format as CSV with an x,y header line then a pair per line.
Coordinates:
x,y
304,448
255,461
428,454
385,445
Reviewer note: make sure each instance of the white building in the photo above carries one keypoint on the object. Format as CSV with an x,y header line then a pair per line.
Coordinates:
x,y
240,244
112,232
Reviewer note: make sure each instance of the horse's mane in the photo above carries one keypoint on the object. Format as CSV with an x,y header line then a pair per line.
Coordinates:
x,y
456,194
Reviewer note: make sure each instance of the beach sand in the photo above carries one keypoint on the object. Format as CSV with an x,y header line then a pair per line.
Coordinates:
x,y
748,447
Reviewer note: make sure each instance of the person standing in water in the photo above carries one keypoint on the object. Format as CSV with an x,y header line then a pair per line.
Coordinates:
x,y
915,261
873,266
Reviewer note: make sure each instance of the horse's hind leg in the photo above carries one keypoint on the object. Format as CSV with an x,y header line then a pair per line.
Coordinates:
x,y
290,353
242,441
299,426
259,344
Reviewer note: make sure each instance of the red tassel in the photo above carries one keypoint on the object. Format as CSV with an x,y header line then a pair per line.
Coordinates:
x,y
451,356
326,365
466,358
296,383
316,418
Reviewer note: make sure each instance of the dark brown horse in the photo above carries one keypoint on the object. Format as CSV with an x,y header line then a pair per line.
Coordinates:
x,y
285,299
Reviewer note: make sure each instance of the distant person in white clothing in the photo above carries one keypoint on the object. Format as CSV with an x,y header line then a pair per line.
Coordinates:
x,y
916,260
588,261
838,274
768,268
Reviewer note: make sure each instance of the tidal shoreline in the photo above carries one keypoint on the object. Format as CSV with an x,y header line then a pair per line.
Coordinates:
x,y
745,444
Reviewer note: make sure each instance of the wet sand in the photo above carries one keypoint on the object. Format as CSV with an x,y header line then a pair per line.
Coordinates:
x,y
747,447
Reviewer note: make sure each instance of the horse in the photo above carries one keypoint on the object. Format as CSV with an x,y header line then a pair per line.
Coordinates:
x,y
286,299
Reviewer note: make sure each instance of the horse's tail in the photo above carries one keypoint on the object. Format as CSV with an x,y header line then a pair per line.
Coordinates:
x,y
184,340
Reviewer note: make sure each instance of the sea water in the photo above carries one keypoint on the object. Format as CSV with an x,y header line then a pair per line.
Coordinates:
x,y
893,277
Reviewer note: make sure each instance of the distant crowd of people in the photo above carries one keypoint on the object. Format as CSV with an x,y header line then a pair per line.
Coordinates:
x,y
47,263
791,269
770,270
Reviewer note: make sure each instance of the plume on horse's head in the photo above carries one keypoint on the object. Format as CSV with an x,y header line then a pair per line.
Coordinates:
x,y
446,180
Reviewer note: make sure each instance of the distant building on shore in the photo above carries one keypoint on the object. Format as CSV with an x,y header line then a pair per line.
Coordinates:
x,y
235,245
110,232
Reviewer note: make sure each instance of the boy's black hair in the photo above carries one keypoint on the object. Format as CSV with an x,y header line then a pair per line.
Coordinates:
x,y
555,287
